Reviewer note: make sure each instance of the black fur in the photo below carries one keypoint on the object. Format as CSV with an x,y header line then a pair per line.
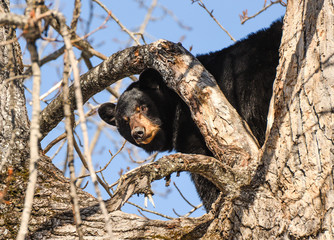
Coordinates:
x,y
245,73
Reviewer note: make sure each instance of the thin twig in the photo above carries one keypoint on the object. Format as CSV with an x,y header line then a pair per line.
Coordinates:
x,y
90,18
177,214
193,210
76,15
119,150
54,142
182,195
175,18
153,212
200,3
62,136
245,18
146,19
112,157
50,57
96,136
142,214
150,158
84,162
92,32
58,150
51,90
69,119
82,44
131,34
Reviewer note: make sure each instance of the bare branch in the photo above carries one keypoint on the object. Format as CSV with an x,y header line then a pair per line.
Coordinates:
x,y
31,38
78,96
13,19
112,157
69,122
58,149
244,17
118,22
81,44
153,212
193,210
34,141
147,18
180,71
200,3
182,195
138,181
84,162
54,142
76,15
175,18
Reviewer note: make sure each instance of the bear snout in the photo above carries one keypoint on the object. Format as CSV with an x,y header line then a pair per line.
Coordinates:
x,y
143,130
138,134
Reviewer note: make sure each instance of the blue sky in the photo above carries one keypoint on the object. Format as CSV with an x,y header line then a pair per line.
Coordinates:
x,y
201,34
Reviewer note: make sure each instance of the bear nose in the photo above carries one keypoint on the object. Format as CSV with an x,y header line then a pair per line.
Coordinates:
x,y
138,133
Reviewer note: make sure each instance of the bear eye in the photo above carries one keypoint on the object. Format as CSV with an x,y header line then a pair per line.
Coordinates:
x,y
126,119
143,108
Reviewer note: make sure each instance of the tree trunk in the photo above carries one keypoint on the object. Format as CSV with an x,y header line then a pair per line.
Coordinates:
x,y
293,196
290,195
14,123
14,131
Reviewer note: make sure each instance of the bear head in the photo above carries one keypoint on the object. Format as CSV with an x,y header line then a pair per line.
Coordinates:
x,y
144,113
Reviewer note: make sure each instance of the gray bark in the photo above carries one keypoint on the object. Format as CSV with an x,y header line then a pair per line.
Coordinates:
x,y
14,124
299,154
287,192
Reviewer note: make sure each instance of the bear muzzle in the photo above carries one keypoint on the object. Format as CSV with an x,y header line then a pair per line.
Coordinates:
x,y
143,130
138,133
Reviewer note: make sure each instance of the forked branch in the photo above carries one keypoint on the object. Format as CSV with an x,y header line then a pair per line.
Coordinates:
x,y
227,179
226,134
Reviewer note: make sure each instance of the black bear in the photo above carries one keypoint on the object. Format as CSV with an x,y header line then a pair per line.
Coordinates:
x,y
152,116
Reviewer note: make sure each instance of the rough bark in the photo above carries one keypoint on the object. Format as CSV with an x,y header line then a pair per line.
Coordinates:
x,y
52,192
182,72
226,178
288,192
14,130
294,197
14,124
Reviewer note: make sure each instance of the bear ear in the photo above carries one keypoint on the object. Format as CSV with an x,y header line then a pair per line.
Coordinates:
x,y
107,113
150,78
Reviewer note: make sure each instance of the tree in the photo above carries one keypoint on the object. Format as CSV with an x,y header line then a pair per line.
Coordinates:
x,y
282,190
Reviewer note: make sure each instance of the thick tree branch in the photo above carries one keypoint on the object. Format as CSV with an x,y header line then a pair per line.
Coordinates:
x,y
13,19
226,178
186,76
